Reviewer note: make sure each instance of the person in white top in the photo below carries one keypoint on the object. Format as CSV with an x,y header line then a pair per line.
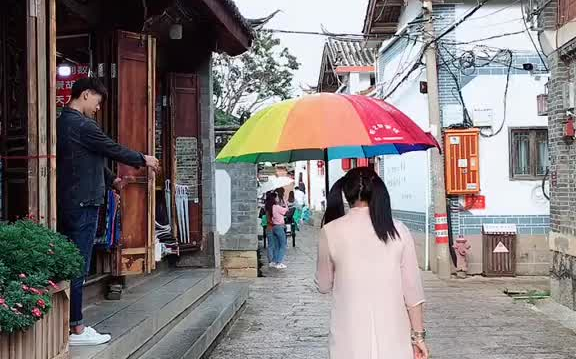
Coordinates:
x,y
300,198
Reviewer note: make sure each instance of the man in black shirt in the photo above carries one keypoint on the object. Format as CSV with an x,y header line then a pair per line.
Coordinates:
x,y
82,180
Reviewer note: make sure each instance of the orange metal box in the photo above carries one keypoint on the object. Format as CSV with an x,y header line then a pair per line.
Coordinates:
x,y
462,163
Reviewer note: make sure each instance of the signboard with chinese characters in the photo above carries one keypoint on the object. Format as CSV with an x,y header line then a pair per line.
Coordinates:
x,y
475,202
64,85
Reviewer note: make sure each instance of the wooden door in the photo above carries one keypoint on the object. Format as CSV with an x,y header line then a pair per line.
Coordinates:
x,y
135,78
187,151
15,148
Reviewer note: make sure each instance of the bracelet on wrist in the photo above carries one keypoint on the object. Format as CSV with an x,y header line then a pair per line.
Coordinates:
x,y
418,337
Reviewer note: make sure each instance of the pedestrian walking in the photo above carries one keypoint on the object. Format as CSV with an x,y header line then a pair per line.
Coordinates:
x,y
300,197
281,197
276,231
368,261
82,179
291,200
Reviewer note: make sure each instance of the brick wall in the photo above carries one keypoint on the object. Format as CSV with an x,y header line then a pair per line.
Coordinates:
x,y
244,230
208,148
562,65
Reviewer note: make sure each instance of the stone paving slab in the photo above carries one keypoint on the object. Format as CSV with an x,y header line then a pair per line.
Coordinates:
x,y
471,319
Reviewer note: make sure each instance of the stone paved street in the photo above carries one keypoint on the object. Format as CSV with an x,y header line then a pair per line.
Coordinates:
x,y
286,318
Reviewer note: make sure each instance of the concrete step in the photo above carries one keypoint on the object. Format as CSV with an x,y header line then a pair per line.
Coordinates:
x,y
193,336
145,312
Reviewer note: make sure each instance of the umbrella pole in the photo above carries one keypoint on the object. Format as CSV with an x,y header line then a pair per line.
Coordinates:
x,y
327,174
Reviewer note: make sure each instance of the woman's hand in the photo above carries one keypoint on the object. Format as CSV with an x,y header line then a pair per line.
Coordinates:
x,y
421,350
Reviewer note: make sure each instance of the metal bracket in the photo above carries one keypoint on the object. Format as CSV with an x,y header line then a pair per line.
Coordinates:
x,y
113,71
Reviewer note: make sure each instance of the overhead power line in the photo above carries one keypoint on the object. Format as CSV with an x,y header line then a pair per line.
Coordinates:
x,y
445,32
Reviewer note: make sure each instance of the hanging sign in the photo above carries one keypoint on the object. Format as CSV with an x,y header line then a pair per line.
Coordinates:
x,y
501,248
64,84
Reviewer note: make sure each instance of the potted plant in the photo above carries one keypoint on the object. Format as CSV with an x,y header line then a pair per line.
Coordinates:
x,y
35,265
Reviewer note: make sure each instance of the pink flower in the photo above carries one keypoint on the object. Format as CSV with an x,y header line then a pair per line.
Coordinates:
x,y
34,291
25,287
5,306
22,276
2,301
41,303
36,313
53,285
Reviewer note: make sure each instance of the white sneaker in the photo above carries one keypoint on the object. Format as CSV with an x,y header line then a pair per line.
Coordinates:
x,y
89,337
281,266
272,265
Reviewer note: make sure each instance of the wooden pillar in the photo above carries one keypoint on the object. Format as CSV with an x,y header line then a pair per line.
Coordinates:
x,y
52,204
41,117
32,13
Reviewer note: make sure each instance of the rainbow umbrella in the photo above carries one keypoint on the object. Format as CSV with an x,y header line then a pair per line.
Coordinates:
x,y
325,126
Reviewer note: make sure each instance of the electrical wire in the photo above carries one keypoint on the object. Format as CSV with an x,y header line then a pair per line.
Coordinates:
x,y
418,63
531,38
492,133
495,12
544,183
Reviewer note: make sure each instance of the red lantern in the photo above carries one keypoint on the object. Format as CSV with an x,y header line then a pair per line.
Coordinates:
x,y
320,165
346,164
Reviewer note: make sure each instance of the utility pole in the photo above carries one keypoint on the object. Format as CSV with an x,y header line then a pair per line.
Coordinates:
x,y
443,265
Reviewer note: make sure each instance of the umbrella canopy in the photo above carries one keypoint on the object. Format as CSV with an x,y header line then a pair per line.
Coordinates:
x,y
346,126
274,183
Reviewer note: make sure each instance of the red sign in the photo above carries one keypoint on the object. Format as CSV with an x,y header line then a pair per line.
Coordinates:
x,y
475,202
64,84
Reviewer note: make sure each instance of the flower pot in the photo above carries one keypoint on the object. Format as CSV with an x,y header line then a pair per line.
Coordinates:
x,y
48,338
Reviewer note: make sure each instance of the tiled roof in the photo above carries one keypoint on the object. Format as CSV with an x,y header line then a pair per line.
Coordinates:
x,y
238,15
348,52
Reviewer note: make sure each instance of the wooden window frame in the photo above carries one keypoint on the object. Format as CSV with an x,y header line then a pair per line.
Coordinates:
x,y
566,12
533,153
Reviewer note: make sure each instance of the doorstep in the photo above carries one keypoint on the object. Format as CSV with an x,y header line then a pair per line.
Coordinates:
x,y
146,312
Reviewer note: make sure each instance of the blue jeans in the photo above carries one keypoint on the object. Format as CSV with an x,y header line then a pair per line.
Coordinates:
x,y
276,243
79,225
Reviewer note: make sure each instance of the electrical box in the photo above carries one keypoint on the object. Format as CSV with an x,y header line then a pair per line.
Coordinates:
x,y
462,162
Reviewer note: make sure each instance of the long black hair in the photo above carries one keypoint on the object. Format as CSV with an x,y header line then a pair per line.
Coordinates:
x,y
269,204
363,184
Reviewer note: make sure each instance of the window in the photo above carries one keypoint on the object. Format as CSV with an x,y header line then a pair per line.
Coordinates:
x,y
528,153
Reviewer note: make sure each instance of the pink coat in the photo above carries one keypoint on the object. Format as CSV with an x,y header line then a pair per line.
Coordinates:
x,y
372,284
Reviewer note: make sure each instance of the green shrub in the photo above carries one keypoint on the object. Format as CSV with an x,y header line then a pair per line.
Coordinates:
x,y
32,259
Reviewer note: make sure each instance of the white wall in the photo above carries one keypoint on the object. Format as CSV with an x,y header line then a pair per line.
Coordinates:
x,y
406,176
316,186
503,196
494,19
223,202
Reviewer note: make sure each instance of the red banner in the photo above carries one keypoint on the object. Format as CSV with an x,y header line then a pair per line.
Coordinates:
x,y
64,84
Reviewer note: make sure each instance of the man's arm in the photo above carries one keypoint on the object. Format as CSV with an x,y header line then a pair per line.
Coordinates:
x,y
95,140
109,177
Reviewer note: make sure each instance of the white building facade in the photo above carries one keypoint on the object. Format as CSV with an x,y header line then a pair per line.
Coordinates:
x,y
486,62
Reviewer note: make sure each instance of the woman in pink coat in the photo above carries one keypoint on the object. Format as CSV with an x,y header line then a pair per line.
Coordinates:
x,y
368,261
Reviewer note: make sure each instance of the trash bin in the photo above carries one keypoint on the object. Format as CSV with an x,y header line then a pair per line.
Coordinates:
x,y
499,250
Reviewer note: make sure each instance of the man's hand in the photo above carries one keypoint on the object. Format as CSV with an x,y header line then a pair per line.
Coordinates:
x,y
152,162
117,185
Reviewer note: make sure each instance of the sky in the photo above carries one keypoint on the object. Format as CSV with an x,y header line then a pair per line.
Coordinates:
x,y
337,16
